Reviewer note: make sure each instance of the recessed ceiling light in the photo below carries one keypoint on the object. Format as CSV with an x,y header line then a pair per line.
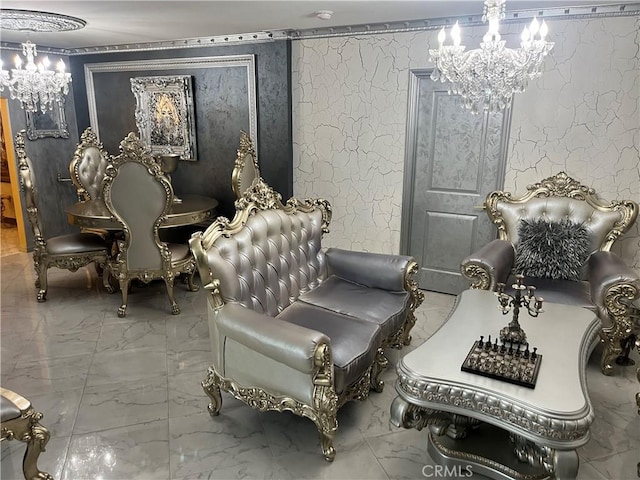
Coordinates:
x,y
324,14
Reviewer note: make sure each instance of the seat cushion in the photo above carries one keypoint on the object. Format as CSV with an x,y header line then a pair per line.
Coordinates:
x,y
565,292
76,243
384,308
179,251
353,341
8,410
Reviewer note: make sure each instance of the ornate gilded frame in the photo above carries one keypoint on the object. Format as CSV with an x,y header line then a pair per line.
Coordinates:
x,y
165,114
562,185
50,123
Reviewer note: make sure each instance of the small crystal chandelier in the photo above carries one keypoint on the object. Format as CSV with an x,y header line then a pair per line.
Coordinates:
x,y
35,84
486,78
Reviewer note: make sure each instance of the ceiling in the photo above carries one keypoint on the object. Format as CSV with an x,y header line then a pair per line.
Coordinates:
x,y
129,22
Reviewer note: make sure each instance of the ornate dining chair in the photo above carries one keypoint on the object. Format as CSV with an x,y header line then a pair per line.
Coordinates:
x,y
246,170
138,195
88,166
69,252
21,422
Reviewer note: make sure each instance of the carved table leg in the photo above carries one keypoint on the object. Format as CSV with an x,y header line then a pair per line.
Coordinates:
x,y
565,464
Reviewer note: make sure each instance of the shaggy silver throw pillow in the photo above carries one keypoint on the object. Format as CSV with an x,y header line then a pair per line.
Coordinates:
x,y
556,250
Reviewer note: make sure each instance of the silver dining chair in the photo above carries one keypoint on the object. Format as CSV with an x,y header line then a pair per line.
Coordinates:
x,y
69,252
138,195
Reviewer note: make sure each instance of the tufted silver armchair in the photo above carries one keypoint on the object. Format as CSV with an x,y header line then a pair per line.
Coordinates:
x,y
603,283
138,195
69,252
294,326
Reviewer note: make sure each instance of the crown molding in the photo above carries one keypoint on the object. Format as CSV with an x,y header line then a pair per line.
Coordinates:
x,y
516,16
550,14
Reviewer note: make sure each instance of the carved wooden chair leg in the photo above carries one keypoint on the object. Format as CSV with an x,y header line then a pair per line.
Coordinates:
x,y
39,437
211,388
175,309
106,279
21,422
326,442
124,289
192,286
627,345
379,366
42,282
612,349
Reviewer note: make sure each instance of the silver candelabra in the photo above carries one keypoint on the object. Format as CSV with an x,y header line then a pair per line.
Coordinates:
x,y
513,332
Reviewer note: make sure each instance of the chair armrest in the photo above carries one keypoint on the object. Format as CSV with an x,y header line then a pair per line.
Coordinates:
x,y
287,343
607,270
489,265
374,270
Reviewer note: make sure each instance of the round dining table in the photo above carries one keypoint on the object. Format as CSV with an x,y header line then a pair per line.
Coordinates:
x,y
192,210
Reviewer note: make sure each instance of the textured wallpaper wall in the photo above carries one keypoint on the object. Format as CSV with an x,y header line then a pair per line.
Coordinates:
x,y
350,109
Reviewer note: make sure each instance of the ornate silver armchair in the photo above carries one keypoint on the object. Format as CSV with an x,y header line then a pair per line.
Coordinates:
x,y
139,195
292,326
88,166
559,235
69,252
20,422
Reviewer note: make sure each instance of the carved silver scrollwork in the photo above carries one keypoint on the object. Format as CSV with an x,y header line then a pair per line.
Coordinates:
x,y
531,453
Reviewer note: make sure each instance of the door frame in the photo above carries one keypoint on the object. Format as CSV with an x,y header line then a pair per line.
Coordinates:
x,y
13,173
410,154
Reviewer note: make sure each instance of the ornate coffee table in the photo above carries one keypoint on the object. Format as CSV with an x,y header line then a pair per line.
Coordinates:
x,y
492,427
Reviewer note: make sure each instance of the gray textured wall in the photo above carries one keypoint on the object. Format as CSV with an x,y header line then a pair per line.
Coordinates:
x,y
221,110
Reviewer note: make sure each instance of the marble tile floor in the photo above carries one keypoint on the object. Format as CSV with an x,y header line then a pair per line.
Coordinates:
x,y
9,244
122,398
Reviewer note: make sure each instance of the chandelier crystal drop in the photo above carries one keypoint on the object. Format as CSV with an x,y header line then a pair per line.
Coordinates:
x,y
486,78
35,86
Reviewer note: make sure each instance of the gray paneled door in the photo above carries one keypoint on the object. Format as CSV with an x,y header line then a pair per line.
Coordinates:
x,y
453,160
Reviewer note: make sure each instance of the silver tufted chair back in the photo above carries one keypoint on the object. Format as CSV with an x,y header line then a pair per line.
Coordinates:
x,y
271,260
599,223
562,197
88,166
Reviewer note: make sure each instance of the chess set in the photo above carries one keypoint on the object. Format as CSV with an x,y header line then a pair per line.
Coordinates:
x,y
511,362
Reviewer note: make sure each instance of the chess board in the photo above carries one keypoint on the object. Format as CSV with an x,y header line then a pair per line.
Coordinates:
x,y
509,362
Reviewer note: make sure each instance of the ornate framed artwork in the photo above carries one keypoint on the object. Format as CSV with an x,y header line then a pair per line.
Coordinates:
x,y
51,123
165,114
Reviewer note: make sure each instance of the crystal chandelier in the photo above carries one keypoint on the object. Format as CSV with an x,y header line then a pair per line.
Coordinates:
x,y
486,78
35,85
